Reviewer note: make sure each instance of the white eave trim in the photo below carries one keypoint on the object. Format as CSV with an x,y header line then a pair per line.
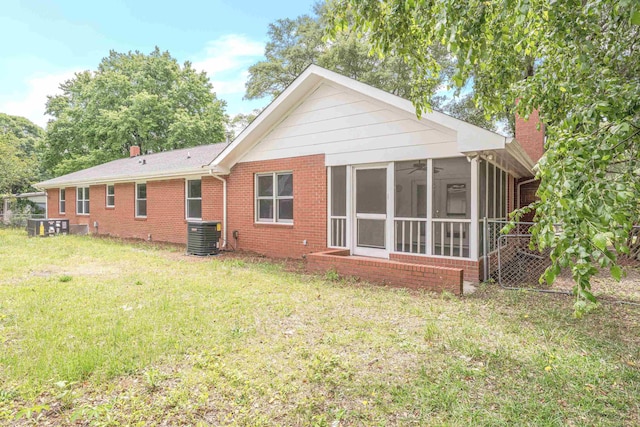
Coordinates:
x,y
127,178
516,151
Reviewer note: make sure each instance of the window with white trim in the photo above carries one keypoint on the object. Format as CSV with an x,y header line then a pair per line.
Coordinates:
x,y
141,200
82,200
111,196
194,199
62,201
274,197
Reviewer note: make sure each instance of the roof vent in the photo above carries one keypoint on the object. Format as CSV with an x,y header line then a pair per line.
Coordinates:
x,y
188,155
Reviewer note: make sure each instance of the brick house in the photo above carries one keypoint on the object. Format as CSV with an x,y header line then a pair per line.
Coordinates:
x,y
333,170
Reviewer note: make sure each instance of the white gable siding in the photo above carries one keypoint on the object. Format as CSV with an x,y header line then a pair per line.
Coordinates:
x,y
351,128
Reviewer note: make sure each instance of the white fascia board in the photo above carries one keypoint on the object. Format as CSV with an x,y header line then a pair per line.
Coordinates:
x,y
128,178
469,137
516,151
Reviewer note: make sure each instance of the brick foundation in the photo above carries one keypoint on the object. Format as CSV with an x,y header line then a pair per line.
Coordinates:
x,y
470,268
389,272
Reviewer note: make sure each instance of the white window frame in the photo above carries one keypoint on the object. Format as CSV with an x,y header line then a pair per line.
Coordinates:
x,y
187,199
84,199
106,191
274,197
138,199
62,201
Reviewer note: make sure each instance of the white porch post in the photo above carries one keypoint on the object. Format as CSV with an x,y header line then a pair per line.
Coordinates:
x,y
349,243
391,209
429,231
473,227
329,194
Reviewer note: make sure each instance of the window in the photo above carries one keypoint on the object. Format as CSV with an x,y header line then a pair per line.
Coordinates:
x,y
111,196
82,198
62,203
274,197
194,199
141,200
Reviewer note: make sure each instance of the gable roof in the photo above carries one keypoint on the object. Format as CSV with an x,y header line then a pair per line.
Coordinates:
x,y
185,161
470,138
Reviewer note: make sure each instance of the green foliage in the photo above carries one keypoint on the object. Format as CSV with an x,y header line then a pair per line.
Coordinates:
x,y
26,133
19,141
131,99
578,63
294,44
16,168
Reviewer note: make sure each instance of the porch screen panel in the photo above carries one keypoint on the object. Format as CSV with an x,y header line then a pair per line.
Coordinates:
x,y
371,199
504,195
491,185
338,225
451,207
410,224
371,192
371,233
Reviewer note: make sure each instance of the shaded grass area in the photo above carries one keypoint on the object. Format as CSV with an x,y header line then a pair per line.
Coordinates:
x,y
99,332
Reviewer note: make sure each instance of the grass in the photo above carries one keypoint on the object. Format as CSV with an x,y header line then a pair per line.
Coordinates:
x,y
99,332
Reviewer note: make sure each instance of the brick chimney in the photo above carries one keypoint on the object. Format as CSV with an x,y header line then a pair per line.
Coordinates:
x,y
529,137
134,150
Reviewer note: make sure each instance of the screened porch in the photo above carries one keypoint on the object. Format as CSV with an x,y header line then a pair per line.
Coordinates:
x,y
423,207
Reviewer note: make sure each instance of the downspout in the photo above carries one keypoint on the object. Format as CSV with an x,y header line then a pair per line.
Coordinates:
x,y
224,207
528,181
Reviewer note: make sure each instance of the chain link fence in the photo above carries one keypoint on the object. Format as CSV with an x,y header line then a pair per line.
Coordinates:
x,y
509,261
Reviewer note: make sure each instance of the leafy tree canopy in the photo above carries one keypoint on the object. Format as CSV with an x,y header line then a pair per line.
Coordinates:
x,y
294,44
26,133
578,63
19,142
16,168
131,99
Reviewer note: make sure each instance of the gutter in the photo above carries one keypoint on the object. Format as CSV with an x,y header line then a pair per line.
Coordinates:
x,y
528,181
224,207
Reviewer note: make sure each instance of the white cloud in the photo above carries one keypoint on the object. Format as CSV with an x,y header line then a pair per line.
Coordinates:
x,y
229,53
33,102
226,60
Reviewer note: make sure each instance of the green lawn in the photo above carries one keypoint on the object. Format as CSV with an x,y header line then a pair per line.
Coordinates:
x,y
98,332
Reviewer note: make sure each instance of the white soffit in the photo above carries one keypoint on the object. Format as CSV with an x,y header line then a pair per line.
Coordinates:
x,y
470,138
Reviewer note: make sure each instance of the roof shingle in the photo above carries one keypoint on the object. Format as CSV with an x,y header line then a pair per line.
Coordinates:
x,y
156,164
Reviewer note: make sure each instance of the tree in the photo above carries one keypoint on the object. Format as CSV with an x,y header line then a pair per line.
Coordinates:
x,y
19,142
578,64
294,44
239,122
16,169
131,99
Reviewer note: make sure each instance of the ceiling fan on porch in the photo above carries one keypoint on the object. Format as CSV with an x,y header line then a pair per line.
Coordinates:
x,y
419,166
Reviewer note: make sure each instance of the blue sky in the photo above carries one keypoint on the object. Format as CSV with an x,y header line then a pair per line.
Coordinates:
x,y
45,42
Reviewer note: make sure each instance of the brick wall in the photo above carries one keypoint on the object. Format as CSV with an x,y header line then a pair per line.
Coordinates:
x,y
470,268
388,272
165,219
53,206
529,137
309,208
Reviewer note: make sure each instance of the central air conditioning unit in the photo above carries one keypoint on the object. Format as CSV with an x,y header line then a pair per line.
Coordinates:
x,y
203,237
